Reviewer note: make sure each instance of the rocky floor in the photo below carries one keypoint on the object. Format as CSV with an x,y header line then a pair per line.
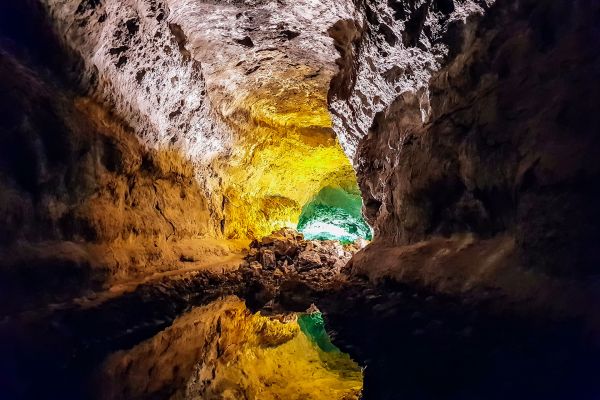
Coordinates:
x,y
414,344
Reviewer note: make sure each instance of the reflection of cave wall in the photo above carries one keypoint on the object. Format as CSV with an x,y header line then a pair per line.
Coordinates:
x,y
498,138
223,351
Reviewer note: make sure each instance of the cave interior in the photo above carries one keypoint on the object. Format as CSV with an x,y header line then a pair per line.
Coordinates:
x,y
300,199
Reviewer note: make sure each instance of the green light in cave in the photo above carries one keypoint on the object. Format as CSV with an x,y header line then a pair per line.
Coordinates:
x,y
334,214
313,326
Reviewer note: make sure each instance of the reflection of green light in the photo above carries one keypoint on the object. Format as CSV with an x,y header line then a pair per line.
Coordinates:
x,y
313,326
334,214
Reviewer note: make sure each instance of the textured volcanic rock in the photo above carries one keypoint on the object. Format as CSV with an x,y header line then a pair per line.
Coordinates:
x,y
473,117
390,52
84,184
238,87
285,272
188,150
81,200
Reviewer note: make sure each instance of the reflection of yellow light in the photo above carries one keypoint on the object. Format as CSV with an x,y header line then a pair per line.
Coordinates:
x,y
268,360
223,351
288,153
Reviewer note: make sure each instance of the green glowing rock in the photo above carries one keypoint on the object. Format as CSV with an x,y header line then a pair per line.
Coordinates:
x,y
313,326
334,214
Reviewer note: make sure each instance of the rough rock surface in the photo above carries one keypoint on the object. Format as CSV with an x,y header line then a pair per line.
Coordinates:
x,y
389,52
473,117
472,126
286,270
237,87
82,202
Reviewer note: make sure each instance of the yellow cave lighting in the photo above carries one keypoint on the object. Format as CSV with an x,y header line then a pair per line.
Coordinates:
x,y
266,359
288,153
223,351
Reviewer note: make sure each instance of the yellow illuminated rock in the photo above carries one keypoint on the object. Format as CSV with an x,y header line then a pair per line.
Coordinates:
x,y
288,152
271,360
238,89
223,351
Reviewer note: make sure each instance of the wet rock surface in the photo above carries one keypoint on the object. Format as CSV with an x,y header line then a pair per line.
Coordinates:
x,y
287,249
288,271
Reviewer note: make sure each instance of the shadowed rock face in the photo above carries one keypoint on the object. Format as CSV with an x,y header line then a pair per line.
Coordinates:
x,y
74,183
82,202
477,117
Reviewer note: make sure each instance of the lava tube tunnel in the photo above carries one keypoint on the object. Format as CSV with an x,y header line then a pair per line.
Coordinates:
x,y
291,167
299,199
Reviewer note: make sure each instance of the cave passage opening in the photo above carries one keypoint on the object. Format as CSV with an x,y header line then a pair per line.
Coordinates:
x,y
294,172
296,178
288,168
334,213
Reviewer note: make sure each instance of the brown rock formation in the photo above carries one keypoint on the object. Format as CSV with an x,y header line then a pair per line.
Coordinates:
x,y
138,138
81,200
473,117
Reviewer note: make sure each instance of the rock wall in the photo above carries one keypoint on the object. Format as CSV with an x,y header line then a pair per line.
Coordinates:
x,y
82,201
238,88
468,122
388,51
467,117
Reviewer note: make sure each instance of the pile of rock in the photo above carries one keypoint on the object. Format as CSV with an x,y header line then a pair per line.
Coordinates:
x,y
286,268
286,251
